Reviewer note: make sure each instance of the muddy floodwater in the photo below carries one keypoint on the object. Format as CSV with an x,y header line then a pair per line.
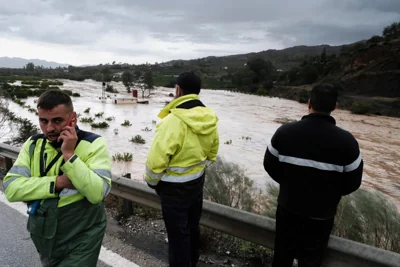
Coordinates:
x,y
247,121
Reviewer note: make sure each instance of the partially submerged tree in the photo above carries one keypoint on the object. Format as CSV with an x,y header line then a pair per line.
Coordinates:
x,y
227,184
148,80
25,129
127,79
4,116
125,158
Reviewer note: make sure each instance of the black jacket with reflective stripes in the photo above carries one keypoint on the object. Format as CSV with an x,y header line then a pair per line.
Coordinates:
x,y
316,163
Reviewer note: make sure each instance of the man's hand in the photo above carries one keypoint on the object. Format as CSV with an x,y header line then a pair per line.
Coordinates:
x,y
69,137
62,182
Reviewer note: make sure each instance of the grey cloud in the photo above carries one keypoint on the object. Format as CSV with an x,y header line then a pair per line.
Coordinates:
x,y
207,22
381,5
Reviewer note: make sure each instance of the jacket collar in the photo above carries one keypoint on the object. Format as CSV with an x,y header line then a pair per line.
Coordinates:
x,y
320,116
176,102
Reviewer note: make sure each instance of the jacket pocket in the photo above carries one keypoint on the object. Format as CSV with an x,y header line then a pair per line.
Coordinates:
x,y
44,226
43,231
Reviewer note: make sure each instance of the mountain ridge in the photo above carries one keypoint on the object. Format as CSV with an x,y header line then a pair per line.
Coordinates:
x,y
19,63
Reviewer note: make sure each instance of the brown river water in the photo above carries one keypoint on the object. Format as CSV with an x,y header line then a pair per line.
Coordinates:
x,y
240,116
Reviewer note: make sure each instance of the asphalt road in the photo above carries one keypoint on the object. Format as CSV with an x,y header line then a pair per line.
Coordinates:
x,y
16,247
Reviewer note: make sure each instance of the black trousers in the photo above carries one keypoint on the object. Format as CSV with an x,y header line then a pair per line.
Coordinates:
x,y
302,238
182,219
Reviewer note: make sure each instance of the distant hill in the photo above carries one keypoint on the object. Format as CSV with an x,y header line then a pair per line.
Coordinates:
x,y
284,59
19,63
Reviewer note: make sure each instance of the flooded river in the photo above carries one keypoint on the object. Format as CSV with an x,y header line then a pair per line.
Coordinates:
x,y
240,116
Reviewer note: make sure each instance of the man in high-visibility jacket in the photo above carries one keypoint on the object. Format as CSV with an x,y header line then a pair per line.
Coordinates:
x,y
69,172
185,142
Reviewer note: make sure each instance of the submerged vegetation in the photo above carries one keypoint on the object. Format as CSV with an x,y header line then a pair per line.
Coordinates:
x,y
100,125
138,139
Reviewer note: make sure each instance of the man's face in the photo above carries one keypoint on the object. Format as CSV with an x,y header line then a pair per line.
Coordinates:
x,y
53,121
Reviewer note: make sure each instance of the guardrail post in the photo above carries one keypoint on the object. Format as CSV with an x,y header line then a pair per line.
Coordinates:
x,y
9,163
127,204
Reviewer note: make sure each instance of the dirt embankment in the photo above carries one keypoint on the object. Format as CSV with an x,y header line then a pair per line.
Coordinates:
x,y
145,231
368,78
372,72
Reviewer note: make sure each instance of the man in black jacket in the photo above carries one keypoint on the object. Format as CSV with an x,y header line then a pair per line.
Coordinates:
x,y
315,163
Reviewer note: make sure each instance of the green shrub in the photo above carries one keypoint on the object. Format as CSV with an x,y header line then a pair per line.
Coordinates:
x,y
360,108
19,102
126,157
283,120
262,92
56,82
126,123
21,93
38,92
375,39
147,129
138,139
86,120
44,85
68,92
227,184
100,125
25,129
304,95
367,216
33,83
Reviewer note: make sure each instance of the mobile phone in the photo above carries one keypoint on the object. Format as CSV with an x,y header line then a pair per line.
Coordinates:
x,y
71,119
33,207
70,122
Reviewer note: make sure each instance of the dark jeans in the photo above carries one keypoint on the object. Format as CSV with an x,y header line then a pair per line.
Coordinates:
x,y
301,238
182,218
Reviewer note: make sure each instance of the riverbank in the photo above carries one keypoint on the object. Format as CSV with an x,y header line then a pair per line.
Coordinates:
x,y
357,104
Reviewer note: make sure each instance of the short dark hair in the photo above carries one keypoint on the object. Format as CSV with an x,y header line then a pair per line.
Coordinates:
x,y
189,82
323,98
53,98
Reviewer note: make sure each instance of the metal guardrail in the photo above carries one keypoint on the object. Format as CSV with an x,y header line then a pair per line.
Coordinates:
x,y
248,226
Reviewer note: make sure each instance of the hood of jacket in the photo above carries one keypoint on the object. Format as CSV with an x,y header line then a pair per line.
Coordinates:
x,y
202,120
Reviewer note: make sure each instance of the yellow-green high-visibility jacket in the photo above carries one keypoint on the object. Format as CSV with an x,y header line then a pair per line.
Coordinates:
x,y
186,140
89,171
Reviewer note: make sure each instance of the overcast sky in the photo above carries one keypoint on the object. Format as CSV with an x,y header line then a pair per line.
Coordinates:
x,y
137,31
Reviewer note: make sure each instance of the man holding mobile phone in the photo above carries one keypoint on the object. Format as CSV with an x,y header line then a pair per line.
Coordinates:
x,y
67,172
